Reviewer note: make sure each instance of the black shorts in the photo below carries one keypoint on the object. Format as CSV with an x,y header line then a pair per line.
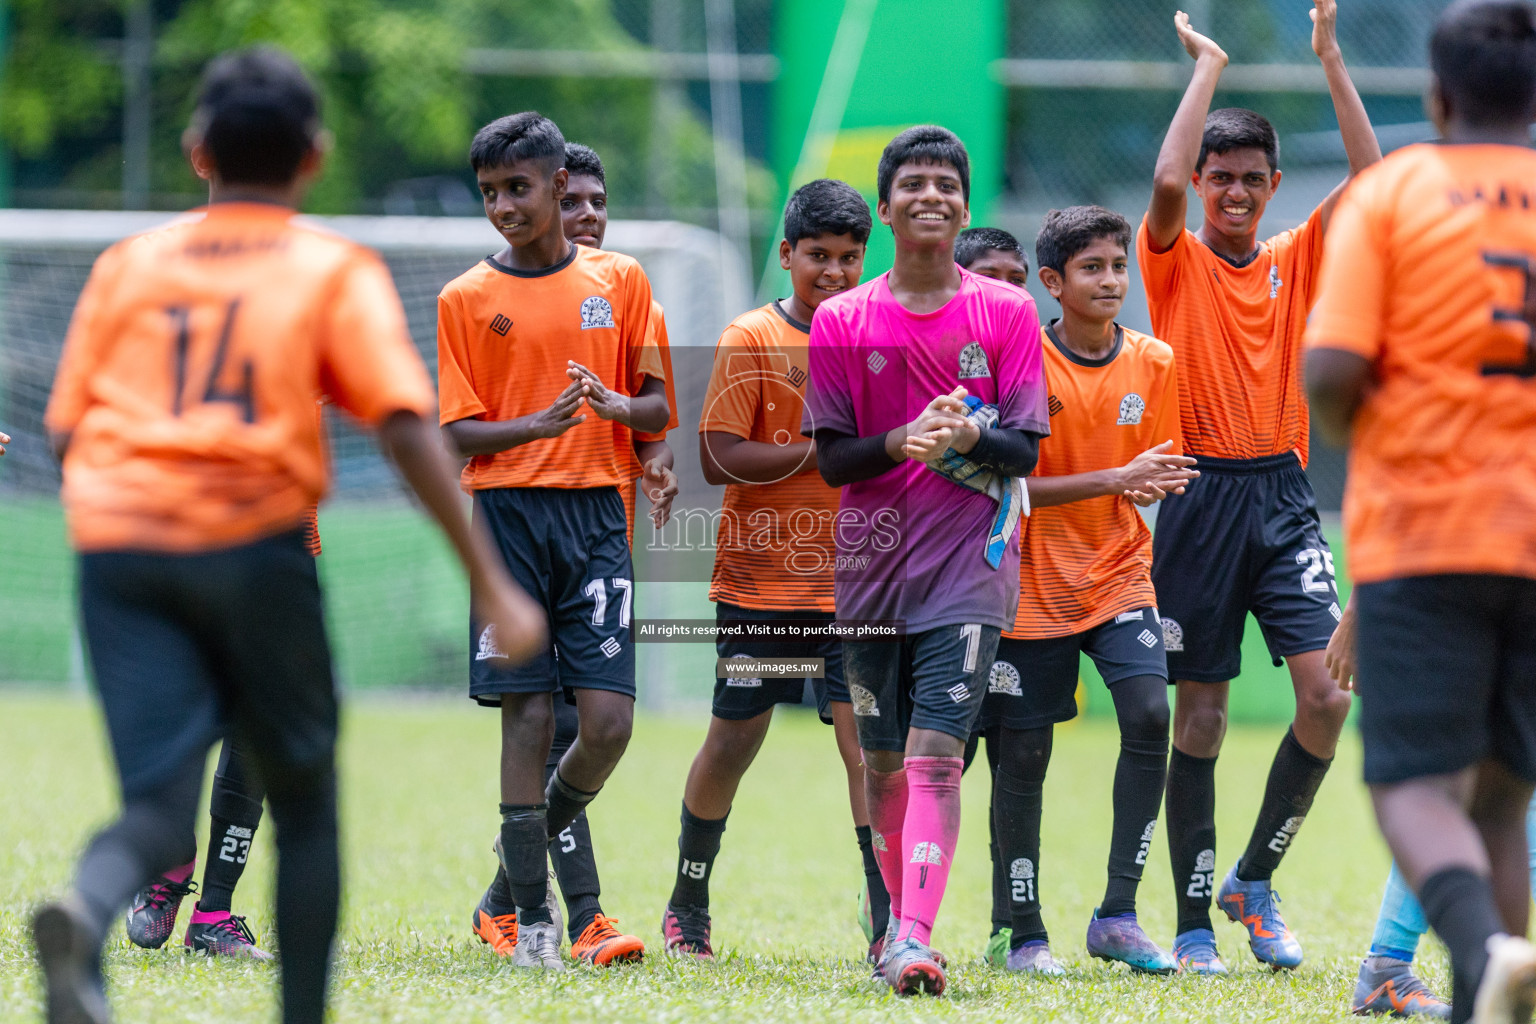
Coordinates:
x,y
187,649
1244,537
1033,683
930,680
1446,675
738,699
570,550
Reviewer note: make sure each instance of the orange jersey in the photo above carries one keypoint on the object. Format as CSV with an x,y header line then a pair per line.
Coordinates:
x,y
775,544
1430,259
312,530
503,339
1237,333
1084,563
664,352
190,371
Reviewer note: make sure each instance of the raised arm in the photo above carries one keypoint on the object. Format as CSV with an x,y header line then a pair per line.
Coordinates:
x,y
1360,144
1181,146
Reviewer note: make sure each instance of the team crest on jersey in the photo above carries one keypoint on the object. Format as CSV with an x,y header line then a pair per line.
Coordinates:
x,y
1131,408
1173,635
1004,679
596,312
973,362
1274,282
863,701
1022,869
488,646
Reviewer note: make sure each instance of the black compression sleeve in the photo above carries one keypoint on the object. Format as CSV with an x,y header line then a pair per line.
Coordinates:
x,y
1008,450
844,459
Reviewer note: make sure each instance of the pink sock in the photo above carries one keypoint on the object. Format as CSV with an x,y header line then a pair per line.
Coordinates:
x,y
886,795
200,916
182,873
932,826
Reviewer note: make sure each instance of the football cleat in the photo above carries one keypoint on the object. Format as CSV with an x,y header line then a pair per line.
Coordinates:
x,y
1256,907
222,934
72,982
997,948
685,930
1119,939
601,944
152,914
1195,950
1387,987
499,931
1034,958
911,970
538,946
1507,993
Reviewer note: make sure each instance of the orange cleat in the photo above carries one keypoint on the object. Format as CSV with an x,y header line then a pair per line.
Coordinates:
x,y
499,931
601,944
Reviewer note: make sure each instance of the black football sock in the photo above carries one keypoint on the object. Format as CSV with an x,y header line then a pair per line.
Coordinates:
x,y
1459,905
1191,807
308,899
879,899
1002,915
1293,782
499,900
234,812
1141,705
564,801
576,871
524,849
1017,800
697,845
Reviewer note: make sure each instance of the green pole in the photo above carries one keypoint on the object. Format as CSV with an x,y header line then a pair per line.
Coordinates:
x,y
5,156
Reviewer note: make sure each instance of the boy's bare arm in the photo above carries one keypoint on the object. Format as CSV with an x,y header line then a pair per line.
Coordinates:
x,y
731,459
470,437
1360,144
1181,146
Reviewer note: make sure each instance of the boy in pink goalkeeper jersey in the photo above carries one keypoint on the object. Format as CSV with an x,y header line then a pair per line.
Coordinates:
x,y
918,378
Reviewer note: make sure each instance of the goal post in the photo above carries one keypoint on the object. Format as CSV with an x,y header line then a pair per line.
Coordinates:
x,y
397,605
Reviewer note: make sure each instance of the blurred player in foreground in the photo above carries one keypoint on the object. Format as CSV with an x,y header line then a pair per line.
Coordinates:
x,y
774,554
1085,585
183,411
1246,536
1422,357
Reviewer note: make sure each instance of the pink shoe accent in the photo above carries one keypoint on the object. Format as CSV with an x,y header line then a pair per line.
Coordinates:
x,y
886,795
200,916
932,827
182,873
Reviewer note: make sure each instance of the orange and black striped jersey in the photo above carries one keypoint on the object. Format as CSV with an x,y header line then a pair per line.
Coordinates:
x,y
775,544
1431,258
188,380
503,340
1084,563
1237,334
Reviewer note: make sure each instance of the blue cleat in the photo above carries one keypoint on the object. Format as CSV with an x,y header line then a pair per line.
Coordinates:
x,y
1256,906
1034,958
1195,951
910,969
1119,939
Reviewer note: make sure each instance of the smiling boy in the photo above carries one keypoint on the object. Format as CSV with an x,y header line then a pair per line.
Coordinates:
x,y
892,363
526,338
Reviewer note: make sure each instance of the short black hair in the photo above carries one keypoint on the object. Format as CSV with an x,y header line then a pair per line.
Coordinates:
x,y
925,144
258,114
1483,53
1065,233
581,159
972,243
526,136
1235,128
826,207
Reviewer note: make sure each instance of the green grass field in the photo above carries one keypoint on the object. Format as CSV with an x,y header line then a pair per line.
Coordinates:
x,y
419,812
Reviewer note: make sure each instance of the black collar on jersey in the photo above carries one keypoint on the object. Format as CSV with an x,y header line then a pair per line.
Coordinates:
x,y
796,324
544,272
1050,332
1237,264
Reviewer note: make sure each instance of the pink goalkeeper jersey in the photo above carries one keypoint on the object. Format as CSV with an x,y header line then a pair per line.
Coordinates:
x,y
911,545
